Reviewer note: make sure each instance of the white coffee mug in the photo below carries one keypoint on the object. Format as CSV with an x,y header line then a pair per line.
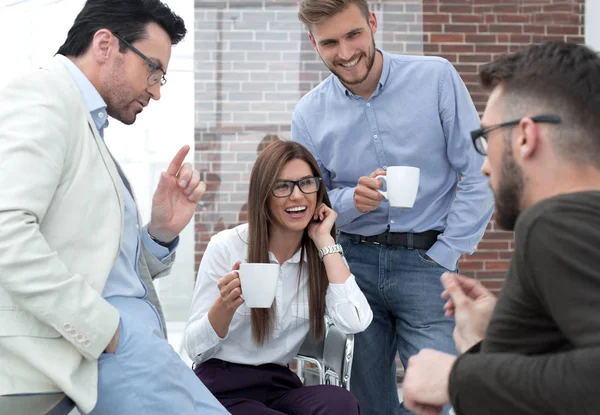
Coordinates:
x,y
402,185
259,283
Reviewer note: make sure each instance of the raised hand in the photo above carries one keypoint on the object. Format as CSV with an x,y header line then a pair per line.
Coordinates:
x,y
175,198
471,305
319,230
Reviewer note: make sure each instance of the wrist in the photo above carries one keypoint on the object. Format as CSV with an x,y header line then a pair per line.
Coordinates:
x,y
162,238
322,243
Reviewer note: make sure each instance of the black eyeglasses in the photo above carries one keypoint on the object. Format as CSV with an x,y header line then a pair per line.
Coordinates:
x,y
307,185
480,136
157,75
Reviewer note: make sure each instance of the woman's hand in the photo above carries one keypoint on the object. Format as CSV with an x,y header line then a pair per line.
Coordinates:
x,y
230,288
319,230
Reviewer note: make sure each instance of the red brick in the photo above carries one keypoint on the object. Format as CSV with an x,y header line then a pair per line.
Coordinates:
x,y
466,68
494,286
506,28
429,48
480,38
513,18
471,265
575,39
475,58
430,8
450,57
504,38
494,245
563,30
436,18
491,48
505,8
534,29
527,9
520,39
460,28
505,255
467,18
447,38
497,265
458,48
558,8
490,18
456,9
432,27
482,255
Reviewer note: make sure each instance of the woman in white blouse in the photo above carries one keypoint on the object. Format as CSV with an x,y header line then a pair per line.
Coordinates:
x,y
241,354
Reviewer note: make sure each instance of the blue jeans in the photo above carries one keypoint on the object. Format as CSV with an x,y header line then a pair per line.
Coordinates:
x,y
145,375
404,292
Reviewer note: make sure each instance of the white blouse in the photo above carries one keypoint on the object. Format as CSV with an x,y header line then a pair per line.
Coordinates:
x,y
345,303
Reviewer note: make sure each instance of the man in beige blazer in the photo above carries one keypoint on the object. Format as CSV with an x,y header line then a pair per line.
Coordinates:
x,y
78,312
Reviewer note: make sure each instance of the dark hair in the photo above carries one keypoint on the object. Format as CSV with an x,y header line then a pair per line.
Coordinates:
x,y
313,12
559,78
128,18
262,179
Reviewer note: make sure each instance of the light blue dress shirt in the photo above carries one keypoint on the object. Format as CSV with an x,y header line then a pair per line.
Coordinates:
x,y
124,279
420,115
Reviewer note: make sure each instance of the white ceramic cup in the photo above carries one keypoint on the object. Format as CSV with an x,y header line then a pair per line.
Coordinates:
x,y
259,284
402,185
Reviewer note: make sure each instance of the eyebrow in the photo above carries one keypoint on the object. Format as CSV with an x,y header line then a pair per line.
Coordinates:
x,y
350,32
301,178
158,63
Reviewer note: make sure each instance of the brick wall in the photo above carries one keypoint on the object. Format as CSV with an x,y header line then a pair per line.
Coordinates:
x,y
470,33
253,62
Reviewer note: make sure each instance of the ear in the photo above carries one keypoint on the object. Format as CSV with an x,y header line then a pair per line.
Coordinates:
x,y
103,43
373,22
313,42
529,138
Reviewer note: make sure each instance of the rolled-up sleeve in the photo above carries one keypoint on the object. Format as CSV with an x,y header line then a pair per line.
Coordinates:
x,y
348,307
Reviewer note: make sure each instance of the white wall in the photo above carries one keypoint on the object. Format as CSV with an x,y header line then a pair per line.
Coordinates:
x,y
592,23
33,30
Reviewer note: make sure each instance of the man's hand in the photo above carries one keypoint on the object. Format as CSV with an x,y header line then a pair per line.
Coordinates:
x,y
471,305
426,382
112,346
175,198
366,197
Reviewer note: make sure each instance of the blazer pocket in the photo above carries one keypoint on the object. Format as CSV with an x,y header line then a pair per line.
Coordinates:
x,y
21,323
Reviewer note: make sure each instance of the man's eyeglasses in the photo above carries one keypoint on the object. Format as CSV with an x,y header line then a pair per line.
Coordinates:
x,y
480,136
157,75
308,185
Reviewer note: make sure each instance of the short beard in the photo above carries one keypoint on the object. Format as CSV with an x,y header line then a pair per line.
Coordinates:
x,y
370,63
510,191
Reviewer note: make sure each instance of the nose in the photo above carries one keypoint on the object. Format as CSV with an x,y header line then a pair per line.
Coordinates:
x,y
346,51
486,169
296,193
154,91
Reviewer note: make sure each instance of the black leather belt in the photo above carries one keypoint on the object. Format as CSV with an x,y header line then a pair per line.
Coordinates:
x,y
423,240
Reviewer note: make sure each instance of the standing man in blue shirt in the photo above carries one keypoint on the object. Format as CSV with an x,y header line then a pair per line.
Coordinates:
x,y
378,110
78,310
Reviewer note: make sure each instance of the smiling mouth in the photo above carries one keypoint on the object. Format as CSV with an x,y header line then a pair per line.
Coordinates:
x,y
297,209
351,64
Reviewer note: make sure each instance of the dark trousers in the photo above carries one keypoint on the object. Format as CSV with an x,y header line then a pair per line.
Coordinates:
x,y
271,389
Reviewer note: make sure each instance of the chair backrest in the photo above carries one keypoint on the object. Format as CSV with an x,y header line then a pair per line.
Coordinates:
x,y
337,355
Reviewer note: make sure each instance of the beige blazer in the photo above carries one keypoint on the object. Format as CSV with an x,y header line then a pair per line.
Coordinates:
x,y
61,220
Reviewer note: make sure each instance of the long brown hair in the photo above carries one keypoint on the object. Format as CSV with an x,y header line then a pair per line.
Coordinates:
x,y
264,174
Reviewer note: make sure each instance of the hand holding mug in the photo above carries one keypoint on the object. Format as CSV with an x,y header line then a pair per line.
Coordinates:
x,y
366,194
230,288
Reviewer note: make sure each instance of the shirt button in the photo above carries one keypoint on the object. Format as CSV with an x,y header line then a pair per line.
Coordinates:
x,y
375,136
368,104
101,114
391,221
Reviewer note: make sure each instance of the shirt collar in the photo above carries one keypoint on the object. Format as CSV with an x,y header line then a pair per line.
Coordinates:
x,y
93,101
385,72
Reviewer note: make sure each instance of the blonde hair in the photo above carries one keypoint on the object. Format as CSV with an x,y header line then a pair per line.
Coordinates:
x,y
313,12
